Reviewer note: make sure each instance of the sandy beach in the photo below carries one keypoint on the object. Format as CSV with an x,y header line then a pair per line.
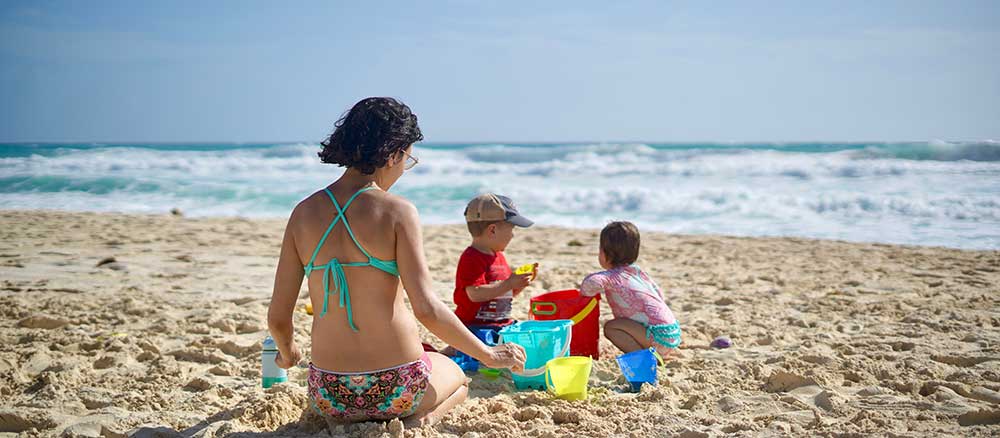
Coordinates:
x,y
830,338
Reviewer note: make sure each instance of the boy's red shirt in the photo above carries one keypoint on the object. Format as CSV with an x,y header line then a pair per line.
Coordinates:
x,y
478,269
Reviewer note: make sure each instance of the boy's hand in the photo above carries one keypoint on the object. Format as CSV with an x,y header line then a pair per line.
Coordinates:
x,y
517,282
534,273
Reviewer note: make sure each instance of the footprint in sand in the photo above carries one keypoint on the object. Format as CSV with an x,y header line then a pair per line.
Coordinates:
x,y
851,328
20,420
782,381
980,417
42,322
963,361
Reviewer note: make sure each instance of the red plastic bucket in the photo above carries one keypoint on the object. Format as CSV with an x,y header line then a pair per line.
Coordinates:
x,y
583,311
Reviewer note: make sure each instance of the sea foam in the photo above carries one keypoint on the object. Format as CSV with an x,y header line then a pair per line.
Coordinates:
x,y
935,193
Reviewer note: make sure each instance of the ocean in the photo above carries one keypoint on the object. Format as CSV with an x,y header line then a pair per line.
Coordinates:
x,y
923,193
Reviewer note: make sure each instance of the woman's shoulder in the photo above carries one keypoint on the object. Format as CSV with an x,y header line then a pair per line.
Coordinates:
x,y
307,207
400,209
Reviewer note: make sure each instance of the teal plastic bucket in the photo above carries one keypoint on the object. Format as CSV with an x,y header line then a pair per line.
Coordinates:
x,y
542,342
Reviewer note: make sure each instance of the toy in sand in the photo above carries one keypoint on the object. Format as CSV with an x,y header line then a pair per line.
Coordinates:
x,y
639,367
721,342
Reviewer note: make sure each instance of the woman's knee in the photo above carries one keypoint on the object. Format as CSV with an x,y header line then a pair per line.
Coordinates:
x,y
443,370
446,378
447,382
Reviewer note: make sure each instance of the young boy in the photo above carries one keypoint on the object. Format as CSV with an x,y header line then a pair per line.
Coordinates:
x,y
484,284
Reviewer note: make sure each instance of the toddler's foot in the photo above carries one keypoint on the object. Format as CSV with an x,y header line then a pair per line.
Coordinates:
x,y
667,353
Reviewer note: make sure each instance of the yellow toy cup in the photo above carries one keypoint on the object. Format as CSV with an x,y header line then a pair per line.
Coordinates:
x,y
566,377
527,269
524,269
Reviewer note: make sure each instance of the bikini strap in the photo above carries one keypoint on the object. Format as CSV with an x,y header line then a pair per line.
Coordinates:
x,y
334,269
340,215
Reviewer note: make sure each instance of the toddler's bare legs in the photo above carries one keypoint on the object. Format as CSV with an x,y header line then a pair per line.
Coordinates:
x,y
668,353
630,336
626,334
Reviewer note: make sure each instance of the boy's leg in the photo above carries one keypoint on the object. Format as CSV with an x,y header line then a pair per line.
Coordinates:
x,y
445,390
626,334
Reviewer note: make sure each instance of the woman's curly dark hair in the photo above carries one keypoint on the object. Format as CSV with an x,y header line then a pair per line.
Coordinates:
x,y
370,133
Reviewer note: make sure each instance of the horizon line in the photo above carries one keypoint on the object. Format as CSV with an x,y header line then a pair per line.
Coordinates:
x,y
519,142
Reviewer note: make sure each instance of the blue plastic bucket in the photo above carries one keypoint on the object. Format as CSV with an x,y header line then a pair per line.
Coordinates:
x,y
466,362
638,367
542,342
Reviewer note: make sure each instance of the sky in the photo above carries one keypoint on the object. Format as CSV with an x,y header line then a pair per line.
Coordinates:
x,y
502,71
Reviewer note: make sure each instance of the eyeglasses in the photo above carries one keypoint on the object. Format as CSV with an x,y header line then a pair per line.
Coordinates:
x,y
410,161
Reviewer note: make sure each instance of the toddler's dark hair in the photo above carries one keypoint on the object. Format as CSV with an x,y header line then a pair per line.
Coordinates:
x,y
367,136
620,243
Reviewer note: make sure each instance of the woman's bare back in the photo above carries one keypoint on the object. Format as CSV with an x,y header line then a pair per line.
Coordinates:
x,y
387,332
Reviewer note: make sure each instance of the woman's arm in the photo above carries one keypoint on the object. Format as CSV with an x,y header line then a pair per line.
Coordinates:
x,y
287,282
429,309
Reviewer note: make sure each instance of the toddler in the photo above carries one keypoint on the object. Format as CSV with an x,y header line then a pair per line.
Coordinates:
x,y
641,317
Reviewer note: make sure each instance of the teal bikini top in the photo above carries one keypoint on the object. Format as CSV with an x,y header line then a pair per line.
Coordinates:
x,y
334,268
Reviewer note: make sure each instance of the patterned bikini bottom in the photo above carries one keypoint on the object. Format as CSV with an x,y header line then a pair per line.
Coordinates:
x,y
372,395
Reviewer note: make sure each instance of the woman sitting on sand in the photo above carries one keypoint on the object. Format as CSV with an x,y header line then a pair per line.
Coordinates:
x,y
356,243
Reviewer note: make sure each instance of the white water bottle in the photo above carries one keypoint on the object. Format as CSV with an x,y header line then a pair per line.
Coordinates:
x,y
270,372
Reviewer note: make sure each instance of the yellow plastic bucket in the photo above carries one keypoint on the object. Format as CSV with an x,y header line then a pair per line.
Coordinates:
x,y
566,377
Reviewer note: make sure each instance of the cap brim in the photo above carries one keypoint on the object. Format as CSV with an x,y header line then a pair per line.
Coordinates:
x,y
520,221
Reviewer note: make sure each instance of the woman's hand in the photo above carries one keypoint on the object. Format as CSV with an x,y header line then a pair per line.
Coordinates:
x,y
293,358
506,356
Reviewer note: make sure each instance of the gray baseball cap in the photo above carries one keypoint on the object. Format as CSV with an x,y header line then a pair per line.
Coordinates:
x,y
492,207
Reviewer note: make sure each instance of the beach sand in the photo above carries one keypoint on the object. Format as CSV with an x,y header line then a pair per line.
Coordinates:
x,y
830,338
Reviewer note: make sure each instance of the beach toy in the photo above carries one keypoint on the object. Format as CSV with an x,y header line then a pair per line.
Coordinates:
x,y
270,372
468,363
721,342
524,269
583,311
566,377
639,367
542,341
309,308
490,373
488,336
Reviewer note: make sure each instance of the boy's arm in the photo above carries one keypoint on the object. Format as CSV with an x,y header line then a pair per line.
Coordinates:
x,y
428,307
486,292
